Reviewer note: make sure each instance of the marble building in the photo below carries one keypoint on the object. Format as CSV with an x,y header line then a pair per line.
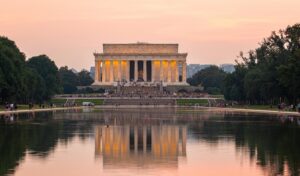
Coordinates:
x,y
140,62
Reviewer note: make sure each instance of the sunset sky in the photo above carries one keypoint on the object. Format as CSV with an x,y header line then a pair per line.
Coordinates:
x,y
211,31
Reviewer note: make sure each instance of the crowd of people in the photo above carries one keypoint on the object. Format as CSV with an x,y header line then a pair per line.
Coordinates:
x,y
292,107
11,106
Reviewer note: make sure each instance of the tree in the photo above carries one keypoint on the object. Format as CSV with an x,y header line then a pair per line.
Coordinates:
x,y
271,73
48,71
69,80
84,78
234,84
37,86
12,69
211,78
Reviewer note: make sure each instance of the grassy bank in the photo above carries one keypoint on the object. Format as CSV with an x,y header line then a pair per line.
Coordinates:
x,y
61,101
192,102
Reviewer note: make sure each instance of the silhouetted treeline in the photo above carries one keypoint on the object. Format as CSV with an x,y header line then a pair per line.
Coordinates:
x,y
270,73
34,80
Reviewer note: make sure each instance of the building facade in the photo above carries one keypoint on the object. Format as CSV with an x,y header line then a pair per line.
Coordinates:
x,y
140,62
140,145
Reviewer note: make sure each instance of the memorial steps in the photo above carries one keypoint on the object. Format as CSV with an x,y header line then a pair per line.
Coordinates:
x,y
139,101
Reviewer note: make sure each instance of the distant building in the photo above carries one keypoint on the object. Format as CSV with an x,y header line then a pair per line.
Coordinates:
x,y
228,68
92,72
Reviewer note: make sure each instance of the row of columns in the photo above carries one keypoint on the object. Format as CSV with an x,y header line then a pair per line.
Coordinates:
x,y
164,140
123,70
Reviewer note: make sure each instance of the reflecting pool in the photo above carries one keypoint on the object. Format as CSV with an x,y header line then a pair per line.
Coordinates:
x,y
149,141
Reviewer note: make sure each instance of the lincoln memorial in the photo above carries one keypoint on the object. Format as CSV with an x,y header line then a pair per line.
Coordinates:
x,y
140,63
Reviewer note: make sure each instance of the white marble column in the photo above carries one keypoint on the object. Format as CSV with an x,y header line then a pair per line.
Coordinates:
x,y
135,70
161,71
184,134
135,140
169,71
111,73
144,139
104,63
127,71
96,71
145,70
120,70
176,72
184,71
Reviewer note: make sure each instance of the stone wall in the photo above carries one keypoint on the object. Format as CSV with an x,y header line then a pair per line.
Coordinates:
x,y
139,48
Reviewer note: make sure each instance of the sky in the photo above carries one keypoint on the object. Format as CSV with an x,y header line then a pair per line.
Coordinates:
x,y
210,31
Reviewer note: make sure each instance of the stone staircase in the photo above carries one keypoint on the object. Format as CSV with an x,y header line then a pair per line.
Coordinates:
x,y
142,101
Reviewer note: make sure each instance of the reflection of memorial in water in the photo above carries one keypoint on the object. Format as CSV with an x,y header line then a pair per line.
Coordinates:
x,y
140,145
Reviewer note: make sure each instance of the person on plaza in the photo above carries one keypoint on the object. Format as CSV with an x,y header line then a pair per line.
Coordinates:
x,y
11,106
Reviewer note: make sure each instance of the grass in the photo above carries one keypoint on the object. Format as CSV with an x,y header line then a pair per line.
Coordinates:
x,y
61,101
95,101
192,102
58,101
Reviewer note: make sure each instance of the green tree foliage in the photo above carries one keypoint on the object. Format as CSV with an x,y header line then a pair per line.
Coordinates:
x,y
33,81
12,69
84,78
69,80
270,73
211,78
48,71
234,84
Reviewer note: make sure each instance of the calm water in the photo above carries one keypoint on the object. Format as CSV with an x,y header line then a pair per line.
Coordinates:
x,y
148,142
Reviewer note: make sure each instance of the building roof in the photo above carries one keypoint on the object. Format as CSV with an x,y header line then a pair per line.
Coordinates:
x,y
140,54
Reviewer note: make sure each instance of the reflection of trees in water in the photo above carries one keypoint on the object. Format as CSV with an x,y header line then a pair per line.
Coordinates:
x,y
39,133
38,137
271,143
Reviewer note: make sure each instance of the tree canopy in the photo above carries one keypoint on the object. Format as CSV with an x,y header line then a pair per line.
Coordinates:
x,y
23,81
270,73
211,78
84,78
47,70
71,80
35,80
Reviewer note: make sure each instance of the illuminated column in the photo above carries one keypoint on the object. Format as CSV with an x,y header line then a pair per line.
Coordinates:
x,y
152,71
111,71
135,70
161,71
120,70
135,139
184,131
184,71
169,71
104,63
96,71
145,70
176,72
144,139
